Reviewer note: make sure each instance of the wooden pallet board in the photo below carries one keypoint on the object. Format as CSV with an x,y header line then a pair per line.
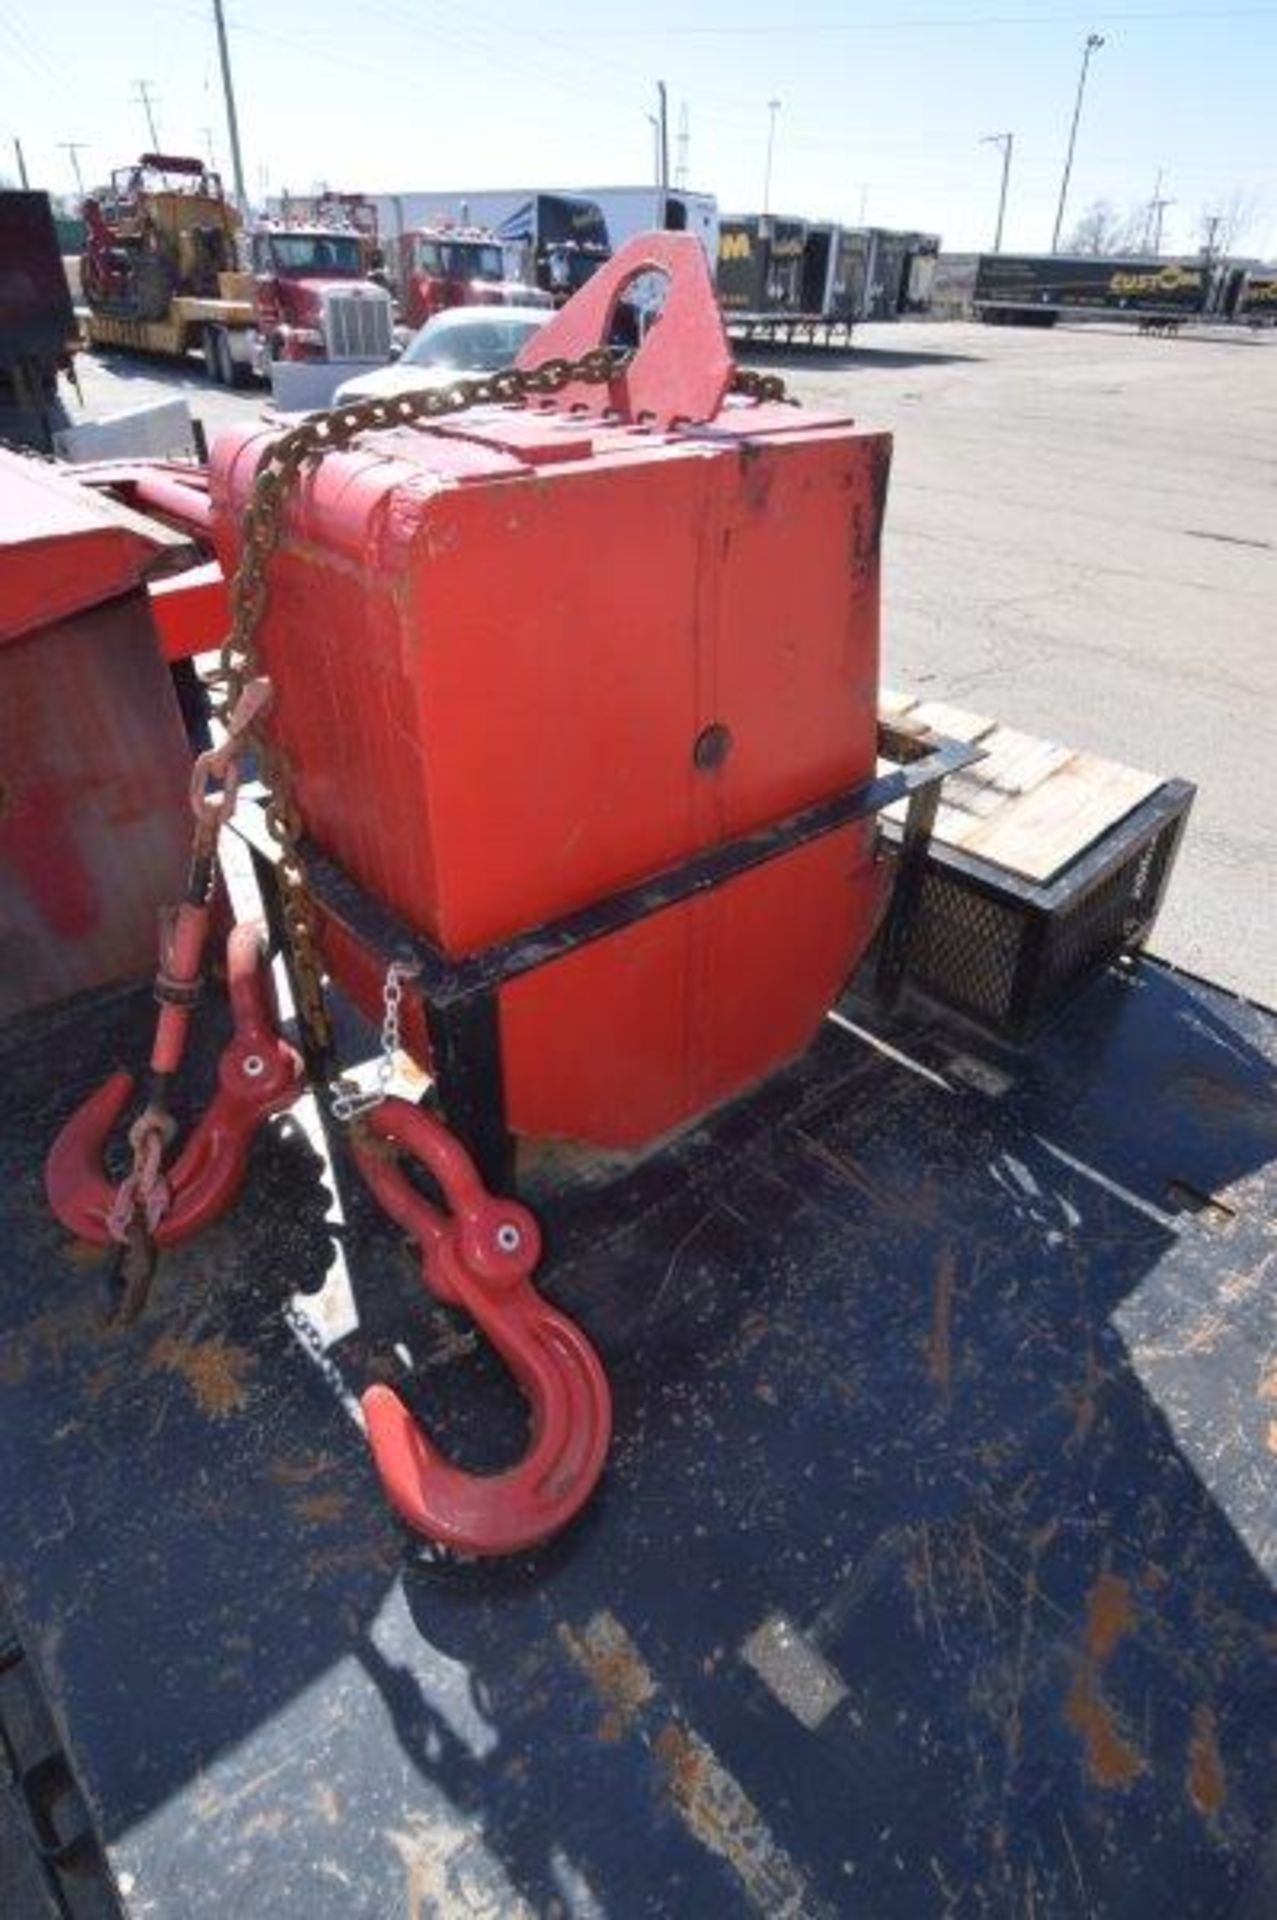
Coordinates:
x,y
1030,806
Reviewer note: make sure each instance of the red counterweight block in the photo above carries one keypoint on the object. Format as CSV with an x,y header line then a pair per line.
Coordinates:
x,y
523,659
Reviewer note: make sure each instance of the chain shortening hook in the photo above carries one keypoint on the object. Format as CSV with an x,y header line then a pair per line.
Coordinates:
x,y
480,1257
258,1074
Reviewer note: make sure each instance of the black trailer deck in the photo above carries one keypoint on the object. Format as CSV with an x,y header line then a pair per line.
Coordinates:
x,y
931,1575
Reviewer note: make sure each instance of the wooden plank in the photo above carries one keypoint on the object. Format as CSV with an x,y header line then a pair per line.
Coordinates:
x,y
892,703
1039,832
955,722
1014,763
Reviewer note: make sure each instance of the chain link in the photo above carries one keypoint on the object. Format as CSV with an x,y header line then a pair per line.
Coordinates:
x,y
261,527
349,1101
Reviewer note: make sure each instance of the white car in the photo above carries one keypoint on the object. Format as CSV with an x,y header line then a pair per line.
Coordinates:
x,y
459,341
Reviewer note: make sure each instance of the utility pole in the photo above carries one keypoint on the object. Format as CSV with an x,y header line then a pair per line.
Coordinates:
x,y
684,141
1094,41
144,96
75,148
663,159
1153,222
773,108
1213,223
1006,141
232,120
22,165
208,147
864,204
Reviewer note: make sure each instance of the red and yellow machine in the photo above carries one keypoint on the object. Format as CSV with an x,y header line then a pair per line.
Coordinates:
x,y
579,696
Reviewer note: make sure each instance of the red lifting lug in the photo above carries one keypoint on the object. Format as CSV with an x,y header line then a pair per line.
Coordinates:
x,y
480,1257
258,1074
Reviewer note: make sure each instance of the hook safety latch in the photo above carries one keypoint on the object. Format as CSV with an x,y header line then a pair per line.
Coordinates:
x,y
480,1257
258,1074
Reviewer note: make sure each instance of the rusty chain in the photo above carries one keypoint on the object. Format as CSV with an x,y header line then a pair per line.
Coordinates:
x,y
260,531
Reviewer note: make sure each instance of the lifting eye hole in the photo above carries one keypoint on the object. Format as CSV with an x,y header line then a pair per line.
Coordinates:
x,y
712,747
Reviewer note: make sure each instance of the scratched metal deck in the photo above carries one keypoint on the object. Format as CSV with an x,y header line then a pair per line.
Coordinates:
x,y
931,1575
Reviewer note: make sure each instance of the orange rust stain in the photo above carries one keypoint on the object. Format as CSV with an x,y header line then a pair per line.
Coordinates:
x,y
319,1508
681,1762
286,1472
1267,1388
1272,1436
1111,1759
1110,1615
940,1345
1205,1780
213,1370
616,1671
15,1363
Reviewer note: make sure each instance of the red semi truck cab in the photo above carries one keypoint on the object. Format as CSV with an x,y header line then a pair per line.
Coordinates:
x,y
313,297
450,266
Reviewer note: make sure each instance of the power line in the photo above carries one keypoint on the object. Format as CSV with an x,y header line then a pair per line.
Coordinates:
x,y
788,29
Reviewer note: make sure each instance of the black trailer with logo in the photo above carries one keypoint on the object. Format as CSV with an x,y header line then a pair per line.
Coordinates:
x,y
806,283
1038,289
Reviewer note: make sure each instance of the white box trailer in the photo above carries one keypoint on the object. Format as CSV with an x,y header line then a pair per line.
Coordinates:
x,y
625,210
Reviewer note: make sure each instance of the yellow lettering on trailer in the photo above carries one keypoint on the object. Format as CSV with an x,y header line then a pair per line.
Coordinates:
x,y
1168,279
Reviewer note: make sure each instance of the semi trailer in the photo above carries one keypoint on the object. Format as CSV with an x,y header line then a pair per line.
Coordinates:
x,y
1041,289
796,280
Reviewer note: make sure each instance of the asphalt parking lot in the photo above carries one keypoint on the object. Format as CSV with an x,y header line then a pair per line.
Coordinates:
x,y
1081,540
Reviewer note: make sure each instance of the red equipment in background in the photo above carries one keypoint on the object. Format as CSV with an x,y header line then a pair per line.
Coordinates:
x,y
449,266
524,661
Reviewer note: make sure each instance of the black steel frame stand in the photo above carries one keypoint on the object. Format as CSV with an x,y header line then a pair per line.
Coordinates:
x,y
459,997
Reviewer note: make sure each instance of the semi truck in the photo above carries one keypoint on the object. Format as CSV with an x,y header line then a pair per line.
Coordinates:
x,y
167,270
441,266
37,321
552,240
1040,289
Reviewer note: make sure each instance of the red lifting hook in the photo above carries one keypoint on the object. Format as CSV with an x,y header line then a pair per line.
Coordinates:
x,y
481,1257
258,1074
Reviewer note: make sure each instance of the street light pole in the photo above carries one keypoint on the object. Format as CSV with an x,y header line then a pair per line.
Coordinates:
x,y
1006,141
1094,41
773,108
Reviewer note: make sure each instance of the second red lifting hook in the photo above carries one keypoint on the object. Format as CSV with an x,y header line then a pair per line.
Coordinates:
x,y
258,1074
481,1257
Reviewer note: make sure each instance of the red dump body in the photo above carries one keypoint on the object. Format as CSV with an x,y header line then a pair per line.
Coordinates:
x,y
496,645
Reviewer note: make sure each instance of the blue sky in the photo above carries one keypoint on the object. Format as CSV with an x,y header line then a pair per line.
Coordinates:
x,y
882,106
